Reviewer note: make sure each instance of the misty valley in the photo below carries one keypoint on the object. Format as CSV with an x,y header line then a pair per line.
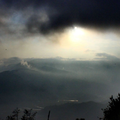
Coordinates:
x,y
69,88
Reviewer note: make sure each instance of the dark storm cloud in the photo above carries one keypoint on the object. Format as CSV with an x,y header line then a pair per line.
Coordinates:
x,y
98,14
61,14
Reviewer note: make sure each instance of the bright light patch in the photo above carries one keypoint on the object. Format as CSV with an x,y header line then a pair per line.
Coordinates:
x,y
76,34
78,31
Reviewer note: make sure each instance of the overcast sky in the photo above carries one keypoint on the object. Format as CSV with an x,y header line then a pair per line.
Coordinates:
x,y
80,29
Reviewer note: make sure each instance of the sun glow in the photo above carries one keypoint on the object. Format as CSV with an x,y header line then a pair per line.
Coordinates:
x,y
73,36
76,34
78,31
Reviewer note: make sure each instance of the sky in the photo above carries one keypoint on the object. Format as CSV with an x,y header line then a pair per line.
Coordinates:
x,y
79,29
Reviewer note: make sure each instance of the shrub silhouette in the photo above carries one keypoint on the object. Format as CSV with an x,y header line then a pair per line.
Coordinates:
x,y
28,115
112,112
14,116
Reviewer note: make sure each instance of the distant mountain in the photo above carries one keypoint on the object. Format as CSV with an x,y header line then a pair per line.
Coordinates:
x,y
24,86
52,69
71,111
28,86
44,82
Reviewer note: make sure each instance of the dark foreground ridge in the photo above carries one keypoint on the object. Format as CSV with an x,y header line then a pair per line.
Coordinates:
x,y
61,112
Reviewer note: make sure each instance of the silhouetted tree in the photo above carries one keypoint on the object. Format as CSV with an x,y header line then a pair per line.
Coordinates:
x,y
14,116
28,115
16,113
10,118
112,112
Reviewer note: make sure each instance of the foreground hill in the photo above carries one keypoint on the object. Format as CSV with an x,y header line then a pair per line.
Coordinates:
x,y
71,111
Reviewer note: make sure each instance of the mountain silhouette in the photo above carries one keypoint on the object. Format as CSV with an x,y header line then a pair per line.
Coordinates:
x,y
70,111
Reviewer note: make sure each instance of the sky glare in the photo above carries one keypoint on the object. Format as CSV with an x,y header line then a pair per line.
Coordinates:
x,y
74,42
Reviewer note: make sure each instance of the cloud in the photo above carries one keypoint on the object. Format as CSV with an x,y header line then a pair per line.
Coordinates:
x,y
52,16
107,57
24,63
